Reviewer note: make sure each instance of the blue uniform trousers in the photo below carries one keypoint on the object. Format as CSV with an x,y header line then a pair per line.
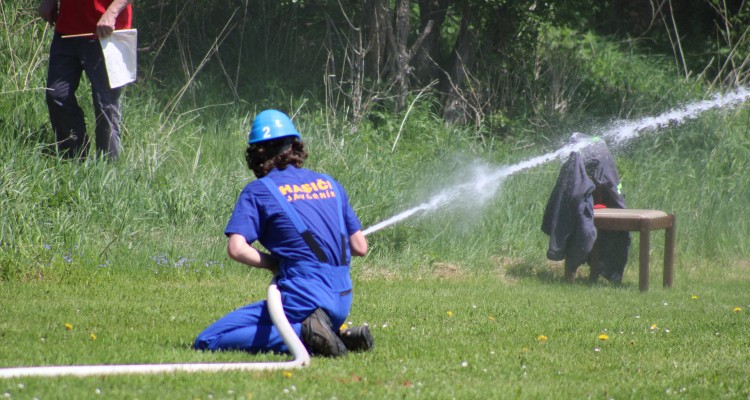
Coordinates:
x,y
304,287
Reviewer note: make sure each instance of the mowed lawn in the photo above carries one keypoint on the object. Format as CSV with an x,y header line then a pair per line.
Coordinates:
x,y
440,333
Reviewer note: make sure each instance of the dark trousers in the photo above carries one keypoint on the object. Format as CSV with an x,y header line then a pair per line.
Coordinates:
x,y
68,59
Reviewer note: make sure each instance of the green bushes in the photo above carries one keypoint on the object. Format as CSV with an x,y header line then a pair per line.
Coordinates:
x,y
183,163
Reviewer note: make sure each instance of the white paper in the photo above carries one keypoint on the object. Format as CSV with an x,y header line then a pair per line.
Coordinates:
x,y
119,50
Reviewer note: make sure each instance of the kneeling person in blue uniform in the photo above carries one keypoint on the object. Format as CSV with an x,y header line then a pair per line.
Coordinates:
x,y
304,220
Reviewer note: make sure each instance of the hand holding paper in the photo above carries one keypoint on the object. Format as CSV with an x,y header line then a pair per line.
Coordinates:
x,y
119,50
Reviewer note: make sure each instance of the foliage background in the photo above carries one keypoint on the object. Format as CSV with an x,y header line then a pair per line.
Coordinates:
x,y
133,251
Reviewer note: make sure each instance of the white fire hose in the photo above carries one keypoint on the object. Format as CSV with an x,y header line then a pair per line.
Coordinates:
x,y
301,358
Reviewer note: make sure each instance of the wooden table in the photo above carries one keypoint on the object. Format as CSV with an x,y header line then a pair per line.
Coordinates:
x,y
642,221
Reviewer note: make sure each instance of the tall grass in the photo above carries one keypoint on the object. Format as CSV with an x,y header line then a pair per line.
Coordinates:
x,y
133,252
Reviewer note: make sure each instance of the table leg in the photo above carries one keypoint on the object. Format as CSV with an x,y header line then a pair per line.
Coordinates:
x,y
669,235
643,260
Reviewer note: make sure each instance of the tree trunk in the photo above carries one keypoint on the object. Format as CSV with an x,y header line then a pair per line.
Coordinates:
x,y
426,62
376,28
389,54
401,38
455,105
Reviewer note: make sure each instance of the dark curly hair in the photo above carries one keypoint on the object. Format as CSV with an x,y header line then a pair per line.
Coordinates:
x,y
278,153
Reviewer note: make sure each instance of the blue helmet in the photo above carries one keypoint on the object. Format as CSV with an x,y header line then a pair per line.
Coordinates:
x,y
271,124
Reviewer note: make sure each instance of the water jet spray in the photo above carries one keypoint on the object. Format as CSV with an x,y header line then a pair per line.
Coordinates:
x,y
619,132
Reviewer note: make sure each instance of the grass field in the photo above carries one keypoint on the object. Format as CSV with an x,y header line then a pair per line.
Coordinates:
x,y
449,333
122,263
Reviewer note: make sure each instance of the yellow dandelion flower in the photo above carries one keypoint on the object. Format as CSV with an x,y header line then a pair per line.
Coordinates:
x,y
491,318
653,327
694,297
92,336
450,313
343,327
603,336
542,338
68,326
737,309
288,374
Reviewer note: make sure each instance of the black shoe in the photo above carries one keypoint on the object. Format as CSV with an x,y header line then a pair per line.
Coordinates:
x,y
357,338
319,337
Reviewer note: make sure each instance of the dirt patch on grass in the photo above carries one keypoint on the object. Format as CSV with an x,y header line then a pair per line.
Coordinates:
x,y
511,270
447,271
734,269
505,269
368,271
436,270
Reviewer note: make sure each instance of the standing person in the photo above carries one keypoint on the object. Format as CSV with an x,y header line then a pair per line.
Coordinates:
x,y
69,57
304,220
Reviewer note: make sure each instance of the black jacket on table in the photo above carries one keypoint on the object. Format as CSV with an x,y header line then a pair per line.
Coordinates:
x,y
569,215
586,178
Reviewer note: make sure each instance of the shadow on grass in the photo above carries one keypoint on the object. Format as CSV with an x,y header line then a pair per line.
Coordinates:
x,y
554,273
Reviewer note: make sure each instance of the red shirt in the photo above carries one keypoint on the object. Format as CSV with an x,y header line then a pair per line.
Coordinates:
x,y
80,16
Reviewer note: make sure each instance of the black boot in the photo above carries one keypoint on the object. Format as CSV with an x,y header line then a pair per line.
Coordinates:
x,y
319,337
357,338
